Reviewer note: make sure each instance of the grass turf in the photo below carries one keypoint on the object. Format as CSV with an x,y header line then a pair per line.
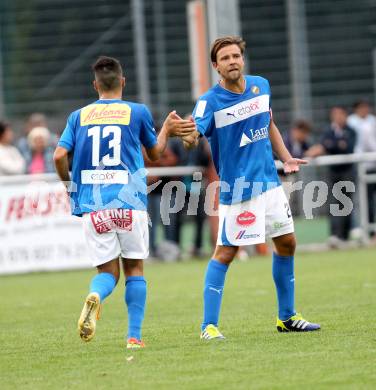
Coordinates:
x,y
40,347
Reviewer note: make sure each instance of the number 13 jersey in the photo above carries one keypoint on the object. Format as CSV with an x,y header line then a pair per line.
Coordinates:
x,y
108,167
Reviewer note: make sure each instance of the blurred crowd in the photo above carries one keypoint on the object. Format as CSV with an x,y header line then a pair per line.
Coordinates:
x,y
31,153
345,133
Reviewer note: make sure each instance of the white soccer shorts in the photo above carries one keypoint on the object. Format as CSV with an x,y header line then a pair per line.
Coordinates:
x,y
115,232
250,222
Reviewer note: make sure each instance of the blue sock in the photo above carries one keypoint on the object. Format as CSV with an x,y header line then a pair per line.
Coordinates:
x,y
103,284
213,290
135,297
283,275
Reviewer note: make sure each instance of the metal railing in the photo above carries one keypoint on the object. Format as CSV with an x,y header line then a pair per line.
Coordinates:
x,y
363,179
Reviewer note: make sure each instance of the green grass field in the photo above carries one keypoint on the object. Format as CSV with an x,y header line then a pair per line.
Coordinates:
x,y
40,347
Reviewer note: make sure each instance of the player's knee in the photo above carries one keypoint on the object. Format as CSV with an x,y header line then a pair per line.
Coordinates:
x,y
225,254
286,245
116,275
133,267
111,268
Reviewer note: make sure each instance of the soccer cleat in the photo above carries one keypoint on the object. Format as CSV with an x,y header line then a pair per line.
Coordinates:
x,y
133,343
89,316
296,323
211,332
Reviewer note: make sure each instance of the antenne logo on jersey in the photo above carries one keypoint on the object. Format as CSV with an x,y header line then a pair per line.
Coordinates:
x,y
256,135
105,114
241,111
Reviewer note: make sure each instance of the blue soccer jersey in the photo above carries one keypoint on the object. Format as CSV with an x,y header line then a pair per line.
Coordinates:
x,y
105,138
237,127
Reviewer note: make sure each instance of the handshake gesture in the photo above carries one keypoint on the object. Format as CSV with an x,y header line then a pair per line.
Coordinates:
x,y
183,128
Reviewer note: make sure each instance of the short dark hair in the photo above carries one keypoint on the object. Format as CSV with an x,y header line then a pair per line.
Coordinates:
x,y
339,107
219,43
108,73
3,127
360,103
302,124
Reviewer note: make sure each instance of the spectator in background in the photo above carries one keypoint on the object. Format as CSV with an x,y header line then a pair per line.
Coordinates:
x,y
200,156
35,120
167,159
364,123
173,230
297,143
296,140
11,161
338,138
39,154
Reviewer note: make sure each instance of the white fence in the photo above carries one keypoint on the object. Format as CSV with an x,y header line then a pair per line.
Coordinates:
x,y
37,232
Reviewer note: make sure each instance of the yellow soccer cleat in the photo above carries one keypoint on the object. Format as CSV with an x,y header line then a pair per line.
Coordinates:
x,y
89,316
133,343
211,332
296,323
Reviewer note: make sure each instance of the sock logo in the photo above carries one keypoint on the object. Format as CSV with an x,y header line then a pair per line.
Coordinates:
x,y
218,290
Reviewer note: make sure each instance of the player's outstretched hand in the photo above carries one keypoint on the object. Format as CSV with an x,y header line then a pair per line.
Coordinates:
x,y
292,165
191,141
178,127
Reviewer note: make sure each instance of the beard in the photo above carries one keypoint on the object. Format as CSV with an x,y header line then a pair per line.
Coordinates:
x,y
233,76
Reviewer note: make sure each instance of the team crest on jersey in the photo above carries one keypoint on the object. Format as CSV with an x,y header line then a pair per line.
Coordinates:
x,y
255,89
105,114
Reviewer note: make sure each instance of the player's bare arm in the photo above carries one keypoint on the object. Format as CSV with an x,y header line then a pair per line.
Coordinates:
x,y
290,164
173,126
62,164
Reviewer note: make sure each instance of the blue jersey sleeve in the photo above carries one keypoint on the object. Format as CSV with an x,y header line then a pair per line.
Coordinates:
x,y
67,139
204,117
148,136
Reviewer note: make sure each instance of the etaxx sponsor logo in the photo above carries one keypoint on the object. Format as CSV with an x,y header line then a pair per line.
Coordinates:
x,y
241,235
253,105
246,218
105,114
104,176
